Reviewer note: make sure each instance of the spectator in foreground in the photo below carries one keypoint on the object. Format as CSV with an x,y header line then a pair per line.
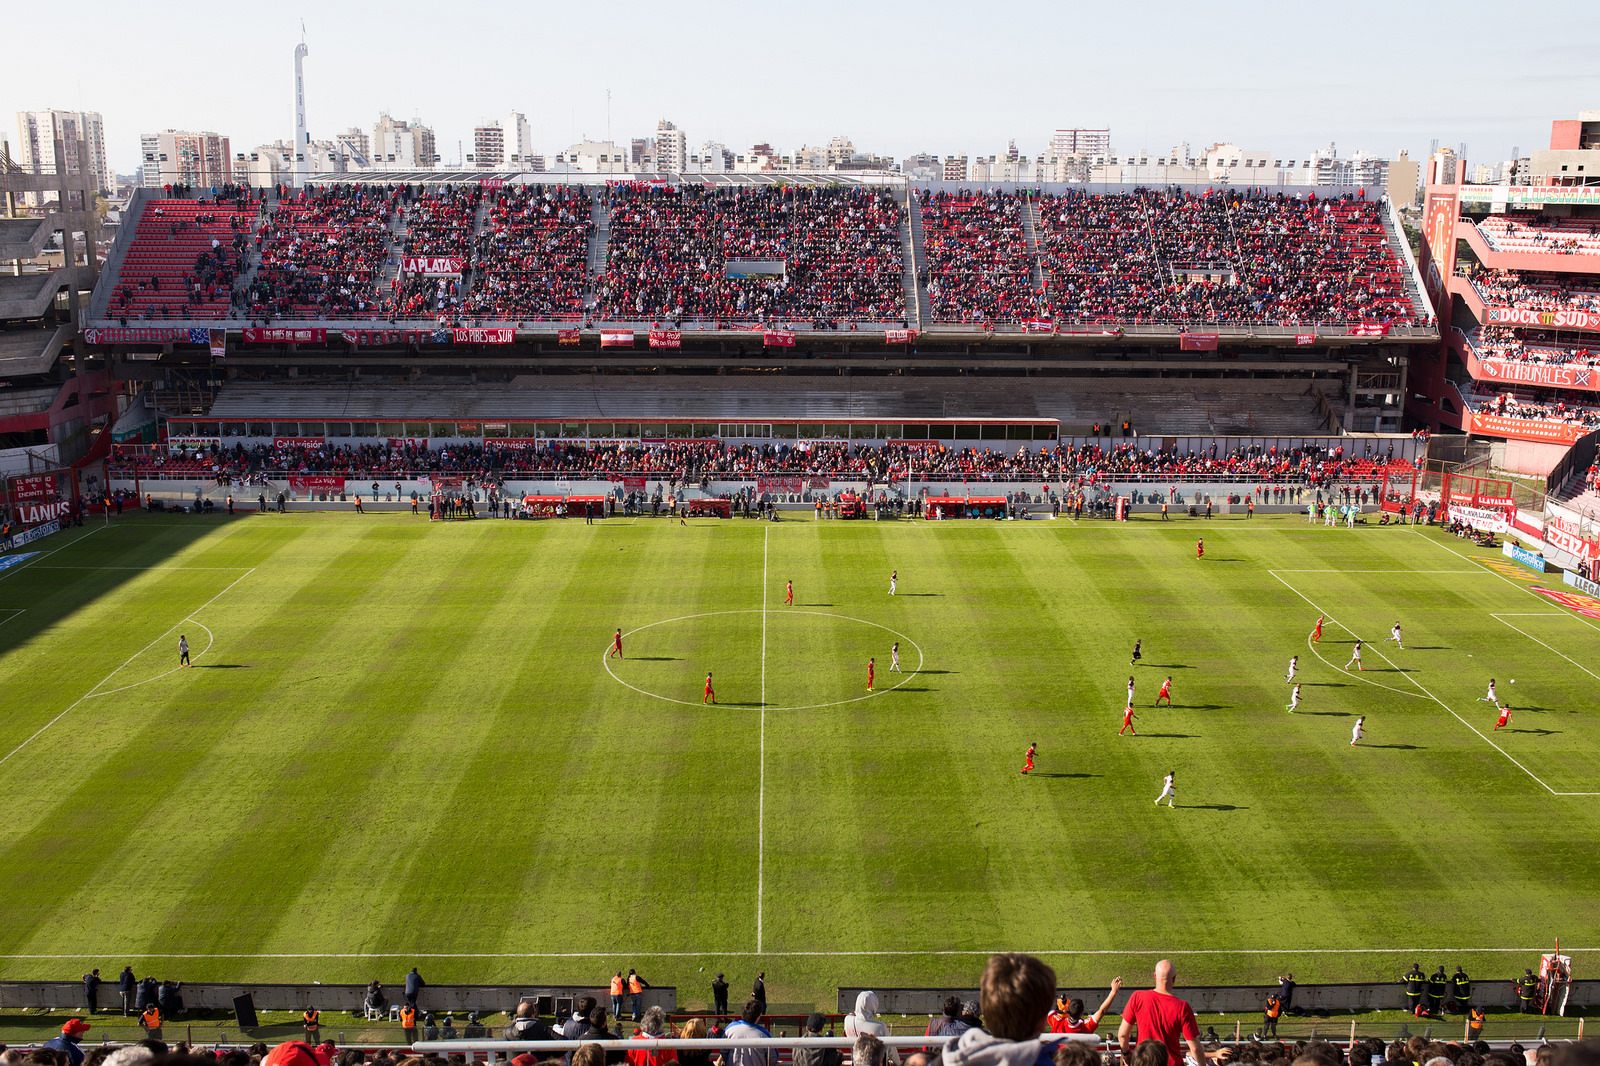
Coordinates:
x,y
526,1025
869,1051
949,1022
865,1022
748,1027
816,1056
1015,996
653,1026
68,1042
695,1029
1076,1053
1157,1014
1071,1019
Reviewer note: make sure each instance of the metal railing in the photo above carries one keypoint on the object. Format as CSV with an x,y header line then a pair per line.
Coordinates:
x,y
510,1048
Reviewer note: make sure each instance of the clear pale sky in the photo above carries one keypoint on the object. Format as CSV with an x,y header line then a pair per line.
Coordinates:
x,y
896,77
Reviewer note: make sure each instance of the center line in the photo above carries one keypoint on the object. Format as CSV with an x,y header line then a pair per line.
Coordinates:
x,y
761,793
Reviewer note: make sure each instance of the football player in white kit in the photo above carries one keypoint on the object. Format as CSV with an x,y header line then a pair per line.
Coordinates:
x,y
1355,657
1294,667
1491,697
1294,699
1394,635
1358,730
1169,790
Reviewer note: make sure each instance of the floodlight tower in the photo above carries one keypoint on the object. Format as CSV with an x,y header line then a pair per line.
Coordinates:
x,y
302,139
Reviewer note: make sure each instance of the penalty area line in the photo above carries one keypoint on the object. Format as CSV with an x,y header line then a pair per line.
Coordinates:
x,y
1509,757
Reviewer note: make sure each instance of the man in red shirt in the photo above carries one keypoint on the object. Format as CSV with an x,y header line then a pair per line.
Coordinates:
x,y
1160,1015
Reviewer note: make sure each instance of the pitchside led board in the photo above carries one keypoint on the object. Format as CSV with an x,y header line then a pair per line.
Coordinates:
x,y
34,499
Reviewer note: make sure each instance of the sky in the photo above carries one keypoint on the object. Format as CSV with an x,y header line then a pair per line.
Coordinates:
x,y
895,77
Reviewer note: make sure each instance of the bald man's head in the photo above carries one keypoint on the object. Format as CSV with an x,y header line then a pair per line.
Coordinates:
x,y
1165,973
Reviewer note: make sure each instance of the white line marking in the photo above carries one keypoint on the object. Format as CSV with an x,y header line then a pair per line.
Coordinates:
x,y
210,640
633,950
12,613
1336,570
1502,619
95,691
605,662
31,563
1359,675
761,788
1480,565
1418,684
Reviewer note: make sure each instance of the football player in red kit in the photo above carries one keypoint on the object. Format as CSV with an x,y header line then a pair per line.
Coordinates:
x,y
1127,721
1504,719
710,694
1165,693
1200,548
872,672
1316,634
788,594
1028,758
616,646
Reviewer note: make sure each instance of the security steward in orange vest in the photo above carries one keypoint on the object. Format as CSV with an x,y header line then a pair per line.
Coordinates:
x,y
1271,1014
408,1023
150,1022
312,1019
1475,1023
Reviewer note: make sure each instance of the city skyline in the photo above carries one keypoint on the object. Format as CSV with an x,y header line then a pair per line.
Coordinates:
x,y
920,80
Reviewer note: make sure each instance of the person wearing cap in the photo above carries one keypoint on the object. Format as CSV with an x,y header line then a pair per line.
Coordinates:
x,y
817,1056
71,1033
150,1021
719,995
299,1053
311,1018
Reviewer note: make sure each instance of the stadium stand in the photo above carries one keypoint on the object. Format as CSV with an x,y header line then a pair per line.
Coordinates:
x,y
1513,403
185,258
322,254
1530,346
1536,233
978,262
531,259
674,251
1540,292
439,222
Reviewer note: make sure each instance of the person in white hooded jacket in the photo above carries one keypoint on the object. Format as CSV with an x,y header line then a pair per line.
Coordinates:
x,y
865,1022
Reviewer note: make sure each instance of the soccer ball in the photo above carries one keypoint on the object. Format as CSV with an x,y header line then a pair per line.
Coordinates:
x,y
1513,681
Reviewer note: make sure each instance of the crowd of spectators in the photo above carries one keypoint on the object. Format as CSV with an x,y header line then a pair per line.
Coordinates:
x,y
185,259
322,254
837,251
1533,233
1530,346
1534,291
1085,464
439,222
1513,405
532,258
979,270
1222,256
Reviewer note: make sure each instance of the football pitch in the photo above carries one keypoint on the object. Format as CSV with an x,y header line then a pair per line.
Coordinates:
x,y
403,743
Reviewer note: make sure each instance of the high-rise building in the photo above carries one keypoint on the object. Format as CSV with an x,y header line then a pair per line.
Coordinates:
x,y
1083,143
955,168
38,132
1404,180
504,145
202,159
489,146
357,145
672,148
401,145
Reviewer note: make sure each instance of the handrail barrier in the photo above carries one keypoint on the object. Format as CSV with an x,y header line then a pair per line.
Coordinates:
x,y
511,1048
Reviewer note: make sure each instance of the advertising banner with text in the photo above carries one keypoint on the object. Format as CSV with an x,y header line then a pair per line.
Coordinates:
x,y
1538,429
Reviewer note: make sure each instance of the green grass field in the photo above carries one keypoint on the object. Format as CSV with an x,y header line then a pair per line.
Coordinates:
x,y
400,743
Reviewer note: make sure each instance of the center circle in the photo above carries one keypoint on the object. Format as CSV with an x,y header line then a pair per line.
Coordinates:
x,y
787,612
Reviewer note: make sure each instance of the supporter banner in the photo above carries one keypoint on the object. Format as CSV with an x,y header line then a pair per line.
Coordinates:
x,y
1037,325
33,487
492,183
1554,376
899,336
362,338
1199,342
408,442
817,482
1480,518
666,338
1368,329
434,266
1568,318
1537,429
284,335
1571,600
316,483
777,484
218,339
1582,584
1565,540
145,335
567,338
616,338
1532,560
484,335
777,338
632,483
193,442
297,442
37,514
